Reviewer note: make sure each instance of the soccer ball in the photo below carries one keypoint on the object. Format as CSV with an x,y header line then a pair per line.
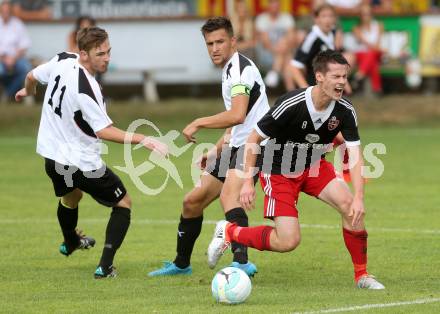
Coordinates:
x,y
231,285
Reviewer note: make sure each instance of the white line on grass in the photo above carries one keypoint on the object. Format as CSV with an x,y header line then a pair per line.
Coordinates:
x,y
373,306
208,222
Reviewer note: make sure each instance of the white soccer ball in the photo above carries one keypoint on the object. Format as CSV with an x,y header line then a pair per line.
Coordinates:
x,y
231,285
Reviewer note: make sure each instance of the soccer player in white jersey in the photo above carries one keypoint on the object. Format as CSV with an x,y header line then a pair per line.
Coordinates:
x,y
245,99
301,127
73,123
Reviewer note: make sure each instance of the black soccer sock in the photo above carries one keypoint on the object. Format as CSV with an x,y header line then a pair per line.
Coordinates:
x,y
187,234
115,233
68,219
239,217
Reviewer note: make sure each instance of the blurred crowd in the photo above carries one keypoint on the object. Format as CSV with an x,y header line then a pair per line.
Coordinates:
x,y
281,45
15,41
284,47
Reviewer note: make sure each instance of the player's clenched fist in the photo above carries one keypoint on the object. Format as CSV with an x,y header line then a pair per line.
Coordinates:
x,y
21,94
189,132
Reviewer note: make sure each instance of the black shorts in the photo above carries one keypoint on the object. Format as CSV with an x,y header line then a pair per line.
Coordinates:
x,y
228,160
102,184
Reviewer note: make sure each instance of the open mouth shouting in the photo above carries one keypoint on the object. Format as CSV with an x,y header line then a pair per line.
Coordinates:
x,y
338,91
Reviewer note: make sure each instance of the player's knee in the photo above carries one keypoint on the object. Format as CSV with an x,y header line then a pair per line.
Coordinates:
x,y
78,195
191,206
225,198
73,198
128,200
289,244
125,202
345,205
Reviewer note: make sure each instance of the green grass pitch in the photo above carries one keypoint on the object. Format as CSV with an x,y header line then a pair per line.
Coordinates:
x,y
403,221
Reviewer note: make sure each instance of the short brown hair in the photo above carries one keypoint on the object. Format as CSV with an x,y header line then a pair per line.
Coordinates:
x,y
321,61
90,37
216,23
323,7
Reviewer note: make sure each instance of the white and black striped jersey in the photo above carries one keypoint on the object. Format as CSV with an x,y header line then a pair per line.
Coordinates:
x,y
241,77
73,111
300,135
315,42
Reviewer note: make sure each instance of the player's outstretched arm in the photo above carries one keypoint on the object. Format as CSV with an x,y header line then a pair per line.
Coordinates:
x,y
357,210
222,120
113,134
247,193
29,89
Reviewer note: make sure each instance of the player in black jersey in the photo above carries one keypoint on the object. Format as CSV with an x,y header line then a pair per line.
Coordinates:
x,y
322,36
301,127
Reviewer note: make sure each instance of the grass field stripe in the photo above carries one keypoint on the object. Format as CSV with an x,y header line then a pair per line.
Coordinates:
x,y
373,306
208,222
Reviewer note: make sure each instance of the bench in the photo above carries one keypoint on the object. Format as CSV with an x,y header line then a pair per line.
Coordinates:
x,y
147,76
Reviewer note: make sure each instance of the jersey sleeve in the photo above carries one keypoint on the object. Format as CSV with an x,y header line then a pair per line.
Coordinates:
x,y
93,113
349,128
43,71
275,121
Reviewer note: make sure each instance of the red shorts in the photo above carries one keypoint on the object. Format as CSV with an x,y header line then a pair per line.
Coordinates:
x,y
281,192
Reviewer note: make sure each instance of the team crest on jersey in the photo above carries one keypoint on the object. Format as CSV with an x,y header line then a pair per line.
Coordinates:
x,y
333,123
312,138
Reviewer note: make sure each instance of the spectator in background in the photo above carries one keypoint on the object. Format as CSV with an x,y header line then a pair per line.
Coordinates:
x,y
276,34
32,10
244,29
321,37
81,22
368,56
14,42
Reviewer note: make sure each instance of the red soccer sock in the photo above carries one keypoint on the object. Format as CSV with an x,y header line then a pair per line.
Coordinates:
x,y
356,243
256,237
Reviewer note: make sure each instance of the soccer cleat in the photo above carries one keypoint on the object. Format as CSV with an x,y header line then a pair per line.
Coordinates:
x,y
85,243
170,269
369,282
249,268
105,272
219,243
